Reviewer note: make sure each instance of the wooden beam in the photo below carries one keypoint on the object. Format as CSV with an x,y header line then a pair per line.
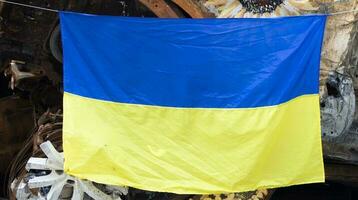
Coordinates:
x,y
193,8
160,8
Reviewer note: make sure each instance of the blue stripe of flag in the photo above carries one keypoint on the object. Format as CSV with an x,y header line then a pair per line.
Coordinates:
x,y
192,63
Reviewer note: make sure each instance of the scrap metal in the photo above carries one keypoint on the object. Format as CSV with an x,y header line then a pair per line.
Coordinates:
x,y
25,34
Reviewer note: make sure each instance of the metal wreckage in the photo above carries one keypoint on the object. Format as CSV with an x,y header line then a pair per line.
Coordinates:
x,y
31,164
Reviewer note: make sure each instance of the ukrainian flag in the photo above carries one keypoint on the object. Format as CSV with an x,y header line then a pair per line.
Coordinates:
x,y
192,105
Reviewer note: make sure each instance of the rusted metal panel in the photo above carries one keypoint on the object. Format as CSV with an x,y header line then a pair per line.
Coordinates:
x,y
16,123
193,8
160,8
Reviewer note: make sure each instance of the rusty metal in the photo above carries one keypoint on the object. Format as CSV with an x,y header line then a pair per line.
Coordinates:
x,y
16,74
20,71
341,132
160,8
48,124
16,121
194,8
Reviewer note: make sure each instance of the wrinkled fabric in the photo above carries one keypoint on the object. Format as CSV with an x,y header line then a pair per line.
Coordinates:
x,y
192,105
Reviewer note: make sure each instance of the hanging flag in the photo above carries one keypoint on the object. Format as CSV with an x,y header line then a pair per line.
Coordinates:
x,y
192,105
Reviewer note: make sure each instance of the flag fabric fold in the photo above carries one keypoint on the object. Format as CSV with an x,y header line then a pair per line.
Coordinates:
x,y
194,106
